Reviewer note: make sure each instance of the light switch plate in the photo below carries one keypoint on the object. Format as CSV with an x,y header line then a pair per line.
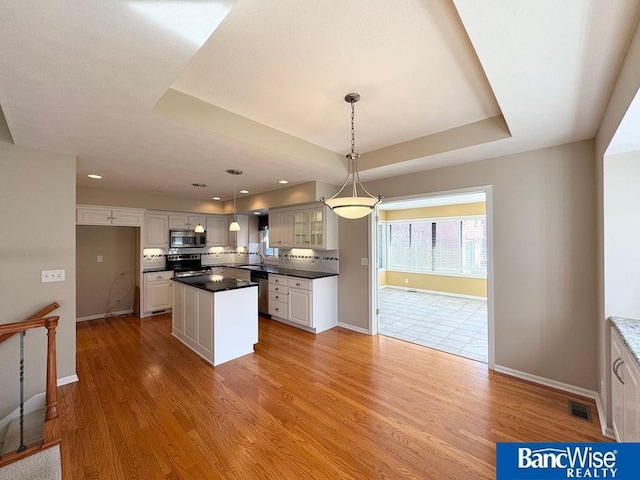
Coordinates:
x,y
52,276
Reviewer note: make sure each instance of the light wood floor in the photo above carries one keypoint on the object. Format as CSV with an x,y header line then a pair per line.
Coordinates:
x,y
339,405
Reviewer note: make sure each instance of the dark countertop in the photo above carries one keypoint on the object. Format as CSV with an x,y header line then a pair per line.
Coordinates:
x,y
157,269
291,272
214,283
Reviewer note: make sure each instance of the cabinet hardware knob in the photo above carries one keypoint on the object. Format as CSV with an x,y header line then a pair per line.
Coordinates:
x,y
297,284
277,309
159,277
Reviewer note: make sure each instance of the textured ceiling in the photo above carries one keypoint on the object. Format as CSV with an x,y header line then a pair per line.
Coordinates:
x,y
157,95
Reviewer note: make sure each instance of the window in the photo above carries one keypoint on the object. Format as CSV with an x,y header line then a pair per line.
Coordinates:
x,y
264,245
449,246
382,245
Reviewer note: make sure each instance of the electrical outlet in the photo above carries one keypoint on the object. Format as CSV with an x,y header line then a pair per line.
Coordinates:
x,y
52,276
99,258
406,280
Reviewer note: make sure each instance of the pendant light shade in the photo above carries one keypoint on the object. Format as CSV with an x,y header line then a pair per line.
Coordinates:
x,y
354,205
234,226
199,228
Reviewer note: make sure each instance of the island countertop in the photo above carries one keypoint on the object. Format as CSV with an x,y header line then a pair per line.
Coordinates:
x,y
214,283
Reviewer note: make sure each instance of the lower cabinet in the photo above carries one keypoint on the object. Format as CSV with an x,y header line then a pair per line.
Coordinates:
x,y
219,326
308,304
157,292
193,319
625,391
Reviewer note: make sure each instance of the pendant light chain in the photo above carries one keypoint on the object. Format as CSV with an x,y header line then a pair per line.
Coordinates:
x,y
353,206
235,217
353,130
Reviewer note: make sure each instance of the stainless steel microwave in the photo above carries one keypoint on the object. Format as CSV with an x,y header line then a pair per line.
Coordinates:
x,y
187,239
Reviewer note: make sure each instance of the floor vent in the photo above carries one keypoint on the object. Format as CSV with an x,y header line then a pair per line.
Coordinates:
x,y
580,410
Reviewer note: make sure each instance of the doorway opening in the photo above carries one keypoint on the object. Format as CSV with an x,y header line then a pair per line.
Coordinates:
x,y
431,272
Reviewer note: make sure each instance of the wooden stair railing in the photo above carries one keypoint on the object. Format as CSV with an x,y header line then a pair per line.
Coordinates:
x,y
51,422
42,313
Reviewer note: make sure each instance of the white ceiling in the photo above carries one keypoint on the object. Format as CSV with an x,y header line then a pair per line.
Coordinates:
x,y
84,77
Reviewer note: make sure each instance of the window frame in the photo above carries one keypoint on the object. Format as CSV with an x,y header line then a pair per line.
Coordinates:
x,y
387,261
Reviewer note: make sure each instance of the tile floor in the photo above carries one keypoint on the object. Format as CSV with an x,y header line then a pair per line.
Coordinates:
x,y
451,324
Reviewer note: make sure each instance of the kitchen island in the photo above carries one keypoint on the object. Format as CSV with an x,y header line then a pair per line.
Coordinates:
x,y
215,316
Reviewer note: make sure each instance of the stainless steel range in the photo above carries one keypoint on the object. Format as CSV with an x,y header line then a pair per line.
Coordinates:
x,y
187,265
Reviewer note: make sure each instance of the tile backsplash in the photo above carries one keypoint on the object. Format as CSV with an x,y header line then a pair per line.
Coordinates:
x,y
301,259
306,259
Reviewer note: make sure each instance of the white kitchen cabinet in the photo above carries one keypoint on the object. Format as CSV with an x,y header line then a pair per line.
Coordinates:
x,y
308,304
177,314
625,393
301,229
241,238
304,227
156,230
217,230
631,376
300,306
157,292
218,326
617,392
186,222
97,215
281,229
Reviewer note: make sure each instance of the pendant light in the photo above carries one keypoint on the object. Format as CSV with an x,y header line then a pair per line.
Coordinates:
x,y
352,206
199,228
234,226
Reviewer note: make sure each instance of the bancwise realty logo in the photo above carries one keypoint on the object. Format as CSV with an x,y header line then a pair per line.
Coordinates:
x,y
550,461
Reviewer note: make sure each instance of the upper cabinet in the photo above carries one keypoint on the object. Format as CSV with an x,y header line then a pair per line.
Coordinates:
x,y
217,231
281,229
187,222
303,227
241,238
156,230
97,215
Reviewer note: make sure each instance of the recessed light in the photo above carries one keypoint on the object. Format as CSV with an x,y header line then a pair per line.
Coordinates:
x,y
256,213
244,191
283,182
215,198
93,175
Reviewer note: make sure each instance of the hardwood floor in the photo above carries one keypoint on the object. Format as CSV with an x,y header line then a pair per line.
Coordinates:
x,y
339,405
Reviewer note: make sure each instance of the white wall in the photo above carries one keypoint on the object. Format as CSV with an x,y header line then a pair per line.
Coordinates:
x,y
622,235
544,256
624,91
37,211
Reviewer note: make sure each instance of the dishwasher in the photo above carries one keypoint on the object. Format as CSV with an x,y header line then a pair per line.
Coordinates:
x,y
262,279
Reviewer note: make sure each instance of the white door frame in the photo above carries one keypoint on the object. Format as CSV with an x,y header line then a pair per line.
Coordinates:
x,y
373,261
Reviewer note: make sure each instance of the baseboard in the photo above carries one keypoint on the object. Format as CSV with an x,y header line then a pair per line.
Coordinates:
x,y
565,387
436,292
354,328
67,380
105,315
